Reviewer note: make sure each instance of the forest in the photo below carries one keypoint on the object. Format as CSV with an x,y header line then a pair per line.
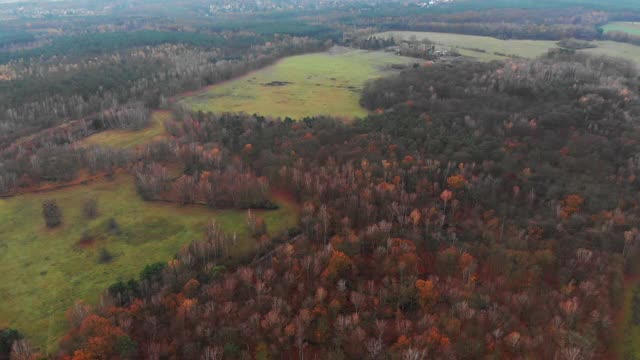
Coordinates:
x,y
106,43
11,38
46,93
478,209
409,219
442,215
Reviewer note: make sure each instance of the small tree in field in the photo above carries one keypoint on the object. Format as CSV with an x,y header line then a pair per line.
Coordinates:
x,y
90,209
257,226
52,213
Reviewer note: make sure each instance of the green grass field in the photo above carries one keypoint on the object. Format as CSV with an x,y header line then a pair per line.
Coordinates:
x,y
523,48
130,138
46,271
628,345
464,43
616,49
326,83
632,28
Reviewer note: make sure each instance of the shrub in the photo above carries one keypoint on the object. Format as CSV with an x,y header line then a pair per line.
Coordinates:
x,y
90,209
575,44
217,271
231,350
126,347
7,338
105,256
52,213
152,271
112,227
123,292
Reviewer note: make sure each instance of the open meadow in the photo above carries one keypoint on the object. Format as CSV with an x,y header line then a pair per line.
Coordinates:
x,y
487,48
51,269
46,271
470,45
616,49
130,138
632,28
327,83
628,343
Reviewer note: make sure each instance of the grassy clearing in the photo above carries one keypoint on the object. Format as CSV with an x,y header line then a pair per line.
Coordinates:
x,y
616,49
131,138
326,83
628,346
632,28
468,44
465,45
46,271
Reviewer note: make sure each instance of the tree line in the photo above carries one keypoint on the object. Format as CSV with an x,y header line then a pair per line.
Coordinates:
x,y
60,91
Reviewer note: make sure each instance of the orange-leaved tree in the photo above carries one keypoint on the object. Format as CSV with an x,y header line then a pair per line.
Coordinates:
x,y
456,182
427,293
339,264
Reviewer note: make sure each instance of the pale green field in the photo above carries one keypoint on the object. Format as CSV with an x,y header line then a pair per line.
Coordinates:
x,y
628,345
326,83
463,44
632,28
45,271
616,49
523,48
130,138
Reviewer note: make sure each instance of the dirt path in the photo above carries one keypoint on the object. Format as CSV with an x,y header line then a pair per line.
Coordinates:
x,y
83,179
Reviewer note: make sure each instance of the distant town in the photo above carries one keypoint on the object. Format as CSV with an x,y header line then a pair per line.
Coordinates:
x,y
235,6
17,9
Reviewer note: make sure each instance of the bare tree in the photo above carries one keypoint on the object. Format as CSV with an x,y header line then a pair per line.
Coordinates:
x,y
374,348
22,350
324,220
414,354
357,300
212,353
